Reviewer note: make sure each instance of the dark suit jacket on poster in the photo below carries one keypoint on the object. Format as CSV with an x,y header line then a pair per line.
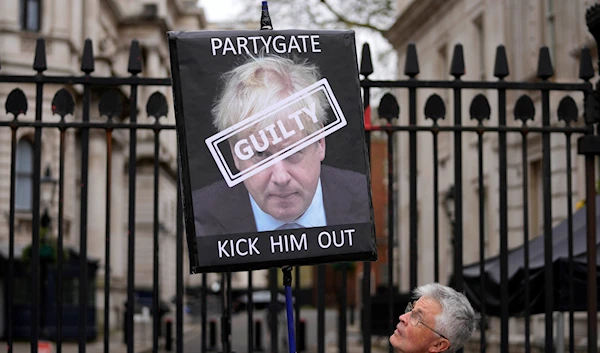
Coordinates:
x,y
219,209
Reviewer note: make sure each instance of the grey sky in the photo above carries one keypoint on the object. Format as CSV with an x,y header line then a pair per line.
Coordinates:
x,y
220,10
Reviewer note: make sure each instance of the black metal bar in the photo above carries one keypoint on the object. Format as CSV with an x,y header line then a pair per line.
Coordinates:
x,y
547,192
83,271
156,259
223,297
226,334
168,335
436,209
273,309
297,303
131,220
525,168
482,194
11,240
320,309
222,302
475,129
142,81
503,226
592,290
366,307
179,277
250,310
93,125
390,240
481,85
60,245
203,347
226,312
412,148
107,241
342,329
458,210
570,245
35,224
83,80
258,336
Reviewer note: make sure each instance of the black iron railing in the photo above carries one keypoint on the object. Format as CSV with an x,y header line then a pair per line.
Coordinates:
x,y
434,110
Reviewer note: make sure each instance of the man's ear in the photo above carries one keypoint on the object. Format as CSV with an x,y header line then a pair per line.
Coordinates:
x,y
321,149
439,345
236,161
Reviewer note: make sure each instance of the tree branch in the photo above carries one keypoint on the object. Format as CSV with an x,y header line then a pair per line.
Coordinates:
x,y
349,22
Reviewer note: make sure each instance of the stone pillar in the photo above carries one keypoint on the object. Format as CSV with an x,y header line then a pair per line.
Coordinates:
x,y
97,196
90,28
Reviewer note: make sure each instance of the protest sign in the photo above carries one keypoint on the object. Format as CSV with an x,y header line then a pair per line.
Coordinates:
x,y
273,161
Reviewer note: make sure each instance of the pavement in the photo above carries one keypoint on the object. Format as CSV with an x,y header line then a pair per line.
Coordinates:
x,y
355,342
142,341
192,329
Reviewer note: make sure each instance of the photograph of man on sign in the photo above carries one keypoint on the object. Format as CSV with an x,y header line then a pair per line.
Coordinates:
x,y
293,190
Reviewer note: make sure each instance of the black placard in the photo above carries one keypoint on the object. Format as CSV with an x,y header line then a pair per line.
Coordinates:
x,y
270,131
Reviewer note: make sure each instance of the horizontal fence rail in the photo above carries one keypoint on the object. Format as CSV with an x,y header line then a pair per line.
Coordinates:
x,y
393,127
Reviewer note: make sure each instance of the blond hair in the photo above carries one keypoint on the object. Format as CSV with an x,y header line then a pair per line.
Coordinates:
x,y
263,81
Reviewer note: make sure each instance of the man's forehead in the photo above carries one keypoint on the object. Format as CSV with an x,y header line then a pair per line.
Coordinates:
x,y
427,305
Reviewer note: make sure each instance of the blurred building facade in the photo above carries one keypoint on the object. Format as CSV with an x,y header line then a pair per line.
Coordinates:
x,y
522,26
111,25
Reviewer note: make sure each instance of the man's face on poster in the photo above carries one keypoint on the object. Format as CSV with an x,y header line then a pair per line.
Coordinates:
x,y
285,190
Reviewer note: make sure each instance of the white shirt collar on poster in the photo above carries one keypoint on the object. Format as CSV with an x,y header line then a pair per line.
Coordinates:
x,y
313,217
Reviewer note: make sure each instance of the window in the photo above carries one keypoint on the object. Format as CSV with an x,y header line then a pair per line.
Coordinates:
x,y
30,15
24,171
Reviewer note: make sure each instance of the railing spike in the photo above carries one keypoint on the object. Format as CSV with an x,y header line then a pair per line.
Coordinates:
x,y
480,108
388,107
16,103
586,69
157,105
366,65
567,110
411,67
435,109
524,109
110,104
135,58
457,68
62,103
545,70
39,63
501,64
87,61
